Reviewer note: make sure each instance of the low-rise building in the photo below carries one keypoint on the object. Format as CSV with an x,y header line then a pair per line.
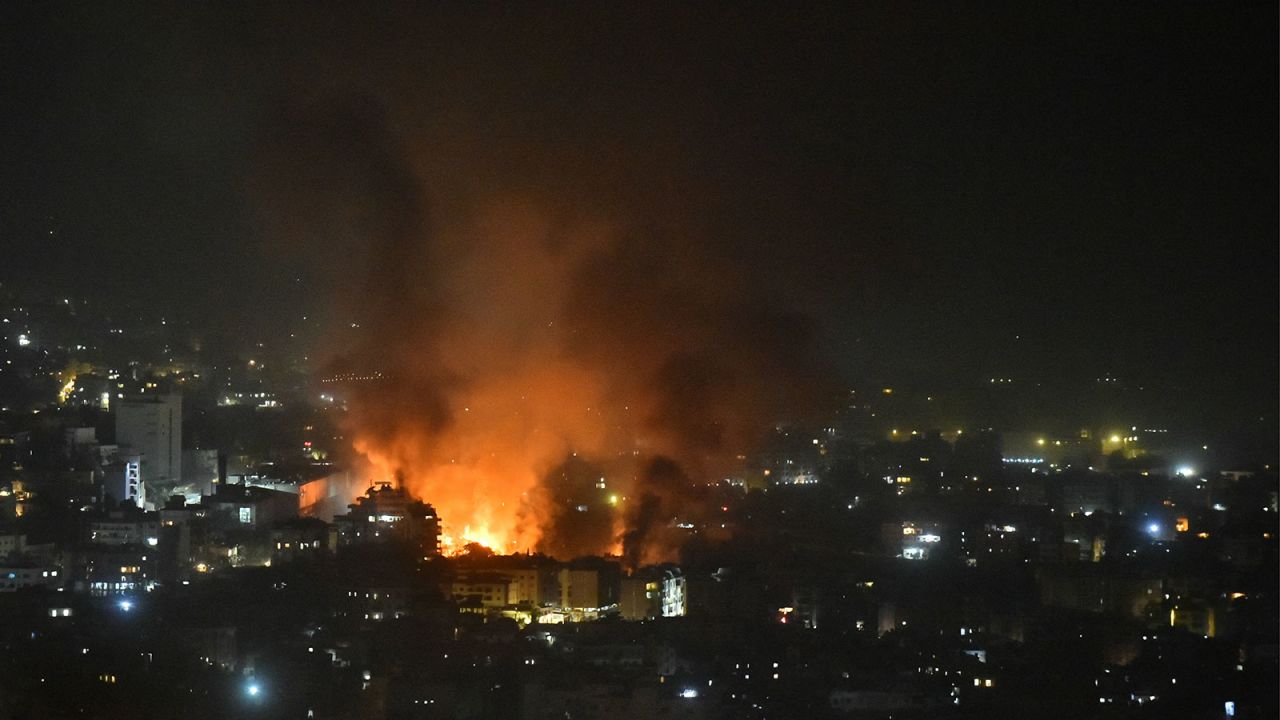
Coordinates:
x,y
493,590
21,577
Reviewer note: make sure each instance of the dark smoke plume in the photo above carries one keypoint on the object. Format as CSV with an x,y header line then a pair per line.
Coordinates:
x,y
553,375
665,494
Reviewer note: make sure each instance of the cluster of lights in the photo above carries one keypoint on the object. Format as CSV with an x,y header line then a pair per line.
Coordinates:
x,y
352,377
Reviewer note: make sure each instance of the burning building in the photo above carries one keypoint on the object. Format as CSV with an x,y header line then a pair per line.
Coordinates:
x,y
488,342
389,514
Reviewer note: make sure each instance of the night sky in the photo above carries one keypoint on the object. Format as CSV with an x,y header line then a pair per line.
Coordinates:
x,y
1044,191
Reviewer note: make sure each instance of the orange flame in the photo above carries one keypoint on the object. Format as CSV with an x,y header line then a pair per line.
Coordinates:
x,y
482,471
577,341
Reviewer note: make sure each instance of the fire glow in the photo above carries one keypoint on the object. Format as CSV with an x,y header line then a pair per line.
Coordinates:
x,y
509,352
519,387
482,470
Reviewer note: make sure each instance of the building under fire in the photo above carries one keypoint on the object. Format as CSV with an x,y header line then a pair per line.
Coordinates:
x,y
387,514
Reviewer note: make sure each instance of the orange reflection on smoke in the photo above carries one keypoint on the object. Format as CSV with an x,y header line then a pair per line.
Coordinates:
x,y
482,469
451,545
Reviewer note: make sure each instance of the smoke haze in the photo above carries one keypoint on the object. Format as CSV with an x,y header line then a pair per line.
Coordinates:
x,y
552,376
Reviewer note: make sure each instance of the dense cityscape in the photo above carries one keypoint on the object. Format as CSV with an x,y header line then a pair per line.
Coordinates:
x,y
183,530
564,362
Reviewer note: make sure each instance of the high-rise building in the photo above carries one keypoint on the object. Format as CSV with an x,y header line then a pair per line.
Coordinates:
x,y
151,426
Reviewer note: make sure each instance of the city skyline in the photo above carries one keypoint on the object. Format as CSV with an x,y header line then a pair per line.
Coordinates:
x,y
587,361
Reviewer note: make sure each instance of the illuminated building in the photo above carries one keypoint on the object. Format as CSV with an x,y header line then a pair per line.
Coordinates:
x,y
675,602
1199,618
589,584
115,570
385,514
492,590
200,469
375,601
654,592
1124,442
151,425
910,540
14,578
327,496
299,537
532,583
122,481
247,507
126,526
640,596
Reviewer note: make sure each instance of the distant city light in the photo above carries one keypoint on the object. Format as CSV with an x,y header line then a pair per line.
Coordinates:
x,y
406,533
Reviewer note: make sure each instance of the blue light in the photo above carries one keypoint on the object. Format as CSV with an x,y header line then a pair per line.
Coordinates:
x,y
126,605
1154,528
253,689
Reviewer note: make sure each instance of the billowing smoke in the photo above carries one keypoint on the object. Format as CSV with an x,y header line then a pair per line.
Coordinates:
x,y
548,375
664,494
